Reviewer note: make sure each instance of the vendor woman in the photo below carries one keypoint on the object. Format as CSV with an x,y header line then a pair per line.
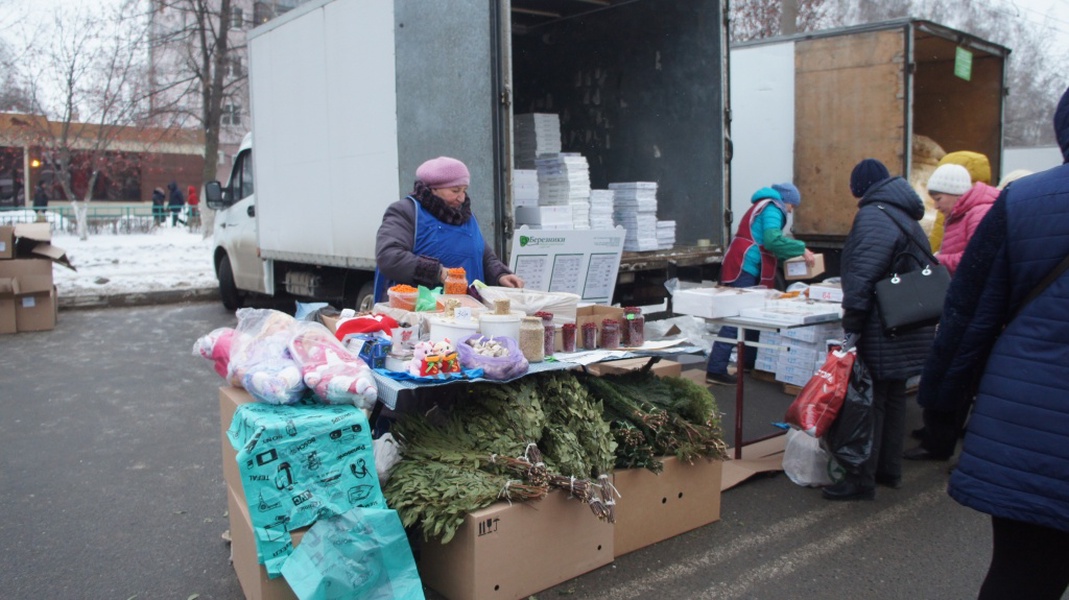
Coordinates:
x,y
433,229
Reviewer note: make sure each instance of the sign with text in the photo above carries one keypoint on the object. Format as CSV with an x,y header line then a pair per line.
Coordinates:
x,y
583,262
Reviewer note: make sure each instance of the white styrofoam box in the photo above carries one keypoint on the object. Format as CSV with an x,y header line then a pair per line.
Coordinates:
x,y
765,364
716,302
794,375
800,357
793,312
543,215
814,333
770,337
826,292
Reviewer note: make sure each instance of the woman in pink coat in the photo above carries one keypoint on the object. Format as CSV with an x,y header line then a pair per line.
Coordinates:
x,y
963,204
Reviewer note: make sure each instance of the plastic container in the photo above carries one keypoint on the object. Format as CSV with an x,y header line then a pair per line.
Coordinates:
x,y
456,281
491,325
402,300
633,329
568,337
452,329
589,339
610,333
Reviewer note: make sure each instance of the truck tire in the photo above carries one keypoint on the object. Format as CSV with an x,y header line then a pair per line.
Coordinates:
x,y
228,291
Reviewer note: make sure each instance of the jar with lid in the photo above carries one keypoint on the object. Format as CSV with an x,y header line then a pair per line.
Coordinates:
x,y
567,337
456,281
532,339
634,329
610,333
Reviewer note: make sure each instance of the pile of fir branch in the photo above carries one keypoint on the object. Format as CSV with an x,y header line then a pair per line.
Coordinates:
x,y
487,448
654,416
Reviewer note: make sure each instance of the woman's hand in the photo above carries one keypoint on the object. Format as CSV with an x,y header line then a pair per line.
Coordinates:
x,y
809,257
510,280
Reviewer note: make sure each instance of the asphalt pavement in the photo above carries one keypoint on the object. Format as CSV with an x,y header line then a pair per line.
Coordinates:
x,y
111,477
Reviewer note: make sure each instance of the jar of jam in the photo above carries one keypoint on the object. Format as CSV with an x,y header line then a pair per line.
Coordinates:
x,y
567,336
634,329
610,333
589,336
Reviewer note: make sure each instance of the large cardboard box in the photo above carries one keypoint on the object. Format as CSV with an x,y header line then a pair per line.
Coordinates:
x,y
717,302
31,292
654,507
508,552
252,575
595,313
34,240
661,368
230,398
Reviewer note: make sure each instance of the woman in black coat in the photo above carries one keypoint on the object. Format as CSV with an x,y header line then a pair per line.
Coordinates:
x,y
885,227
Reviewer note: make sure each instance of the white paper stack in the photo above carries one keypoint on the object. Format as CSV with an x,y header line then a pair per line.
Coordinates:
x,y
536,134
601,207
564,180
635,208
525,187
666,234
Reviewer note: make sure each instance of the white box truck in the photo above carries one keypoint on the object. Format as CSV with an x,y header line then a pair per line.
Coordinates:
x,y
348,97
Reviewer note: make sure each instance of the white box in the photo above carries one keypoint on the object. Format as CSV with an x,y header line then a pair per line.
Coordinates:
x,y
792,312
814,333
826,292
544,215
717,302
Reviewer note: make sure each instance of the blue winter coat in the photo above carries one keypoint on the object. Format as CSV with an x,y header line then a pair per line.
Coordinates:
x,y
868,256
1015,458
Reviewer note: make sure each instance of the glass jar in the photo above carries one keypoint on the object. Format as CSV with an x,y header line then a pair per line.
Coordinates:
x,y
548,335
590,336
610,333
456,281
634,330
532,339
567,337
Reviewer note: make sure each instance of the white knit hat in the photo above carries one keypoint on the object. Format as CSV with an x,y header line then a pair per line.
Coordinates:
x,y
950,179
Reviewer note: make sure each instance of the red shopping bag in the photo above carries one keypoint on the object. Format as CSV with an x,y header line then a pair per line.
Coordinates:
x,y
816,406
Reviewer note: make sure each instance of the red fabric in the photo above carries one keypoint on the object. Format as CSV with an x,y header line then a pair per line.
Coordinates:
x,y
365,324
743,241
192,198
817,405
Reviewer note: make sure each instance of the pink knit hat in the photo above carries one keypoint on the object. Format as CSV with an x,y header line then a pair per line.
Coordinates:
x,y
443,172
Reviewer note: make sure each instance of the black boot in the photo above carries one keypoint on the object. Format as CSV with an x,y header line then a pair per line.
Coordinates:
x,y
848,490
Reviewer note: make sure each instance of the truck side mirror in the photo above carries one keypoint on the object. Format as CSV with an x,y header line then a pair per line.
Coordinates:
x,y
213,195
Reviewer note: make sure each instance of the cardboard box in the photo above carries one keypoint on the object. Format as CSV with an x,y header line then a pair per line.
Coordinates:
x,y
654,507
230,398
717,302
9,287
662,368
252,575
31,293
508,552
33,240
595,313
795,268
7,241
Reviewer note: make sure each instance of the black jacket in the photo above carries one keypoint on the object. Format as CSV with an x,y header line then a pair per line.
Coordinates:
x,y
870,249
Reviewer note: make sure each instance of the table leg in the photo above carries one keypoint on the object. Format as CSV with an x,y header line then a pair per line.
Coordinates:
x,y
739,374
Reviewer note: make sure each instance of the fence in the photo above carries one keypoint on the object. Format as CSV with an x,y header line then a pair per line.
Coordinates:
x,y
99,219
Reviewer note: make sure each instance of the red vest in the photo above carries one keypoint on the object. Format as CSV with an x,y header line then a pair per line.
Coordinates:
x,y
736,254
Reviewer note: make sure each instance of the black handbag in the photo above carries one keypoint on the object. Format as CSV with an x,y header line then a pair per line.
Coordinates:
x,y
912,299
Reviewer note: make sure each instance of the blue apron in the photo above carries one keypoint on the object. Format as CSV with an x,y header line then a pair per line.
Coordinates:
x,y
452,245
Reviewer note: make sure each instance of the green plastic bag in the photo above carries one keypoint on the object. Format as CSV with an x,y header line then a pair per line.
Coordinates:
x,y
427,299
363,553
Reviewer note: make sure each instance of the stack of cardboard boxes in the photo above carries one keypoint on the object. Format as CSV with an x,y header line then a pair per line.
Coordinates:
x,y
27,293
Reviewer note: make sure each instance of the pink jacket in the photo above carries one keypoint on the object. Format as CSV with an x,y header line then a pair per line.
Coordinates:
x,y
967,213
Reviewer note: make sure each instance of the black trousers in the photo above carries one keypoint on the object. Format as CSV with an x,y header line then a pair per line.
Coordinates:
x,y
1027,561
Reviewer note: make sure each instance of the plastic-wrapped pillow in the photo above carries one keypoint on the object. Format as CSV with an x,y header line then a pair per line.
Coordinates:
x,y
335,375
260,360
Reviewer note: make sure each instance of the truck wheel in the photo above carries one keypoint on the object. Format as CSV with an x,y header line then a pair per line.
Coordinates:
x,y
228,291
365,298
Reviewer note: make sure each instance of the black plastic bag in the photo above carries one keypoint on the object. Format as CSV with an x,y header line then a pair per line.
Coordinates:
x,y
849,439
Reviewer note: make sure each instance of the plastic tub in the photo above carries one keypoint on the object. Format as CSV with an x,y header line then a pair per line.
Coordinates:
x,y
454,330
402,300
491,325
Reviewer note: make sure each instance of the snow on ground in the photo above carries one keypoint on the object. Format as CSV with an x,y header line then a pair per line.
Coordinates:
x,y
108,264
168,258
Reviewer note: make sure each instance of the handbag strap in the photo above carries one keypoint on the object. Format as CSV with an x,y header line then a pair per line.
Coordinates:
x,y
909,236
1042,285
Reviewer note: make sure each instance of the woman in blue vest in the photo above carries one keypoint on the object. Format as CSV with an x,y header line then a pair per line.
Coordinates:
x,y
433,229
751,260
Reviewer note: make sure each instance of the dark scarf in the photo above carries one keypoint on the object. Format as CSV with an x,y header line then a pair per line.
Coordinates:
x,y
437,207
